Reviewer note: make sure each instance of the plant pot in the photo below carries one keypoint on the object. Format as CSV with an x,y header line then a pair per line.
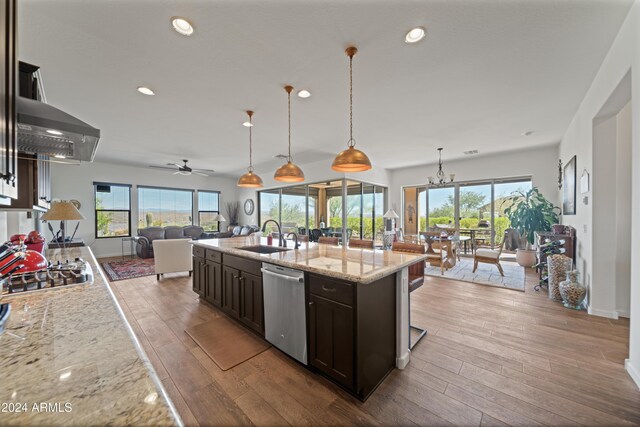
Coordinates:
x,y
526,257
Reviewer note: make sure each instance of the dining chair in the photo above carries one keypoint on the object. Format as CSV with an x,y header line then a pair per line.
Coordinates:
x,y
315,234
357,243
489,256
328,240
437,248
416,280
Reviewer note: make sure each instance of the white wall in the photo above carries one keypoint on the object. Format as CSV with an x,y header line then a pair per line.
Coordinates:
x,y
624,56
76,182
540,163
623,210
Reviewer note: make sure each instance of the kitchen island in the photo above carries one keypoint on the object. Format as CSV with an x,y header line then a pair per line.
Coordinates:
x,y
356,301
69,357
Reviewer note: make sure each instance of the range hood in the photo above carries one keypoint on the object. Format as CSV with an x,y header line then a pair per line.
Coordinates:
x,y
44,129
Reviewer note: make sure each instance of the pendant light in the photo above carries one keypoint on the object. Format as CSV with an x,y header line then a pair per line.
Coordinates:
x,y
289,172
351,159
250,179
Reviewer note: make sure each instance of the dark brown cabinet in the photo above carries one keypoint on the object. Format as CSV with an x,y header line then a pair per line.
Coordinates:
x,y
231,291
199,276
252,305
352,335
232,283
34,178
8,93
213,292
331,339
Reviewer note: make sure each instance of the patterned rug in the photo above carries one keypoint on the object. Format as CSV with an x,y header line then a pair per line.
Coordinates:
x,y
128,268
486,274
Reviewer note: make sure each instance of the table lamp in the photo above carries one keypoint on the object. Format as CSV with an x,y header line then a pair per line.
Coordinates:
x,y
62,211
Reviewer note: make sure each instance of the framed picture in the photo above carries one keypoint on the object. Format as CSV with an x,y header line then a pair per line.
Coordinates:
x,y
569,188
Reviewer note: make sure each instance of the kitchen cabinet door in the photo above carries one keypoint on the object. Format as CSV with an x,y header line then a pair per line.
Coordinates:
x,y
231,291
251,301
43,188
8,93
331,346
199,276
214,283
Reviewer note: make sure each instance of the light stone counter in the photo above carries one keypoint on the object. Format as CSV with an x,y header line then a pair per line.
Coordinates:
x,y
351,264
70,352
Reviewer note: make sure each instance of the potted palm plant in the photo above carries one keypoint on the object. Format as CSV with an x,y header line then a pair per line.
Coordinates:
x,y
530,212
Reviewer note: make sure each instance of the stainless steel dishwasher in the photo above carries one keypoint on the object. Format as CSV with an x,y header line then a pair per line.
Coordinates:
x,y
285,324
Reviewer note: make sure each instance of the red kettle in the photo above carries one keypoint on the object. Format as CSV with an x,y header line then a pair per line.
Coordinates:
x,y
33,261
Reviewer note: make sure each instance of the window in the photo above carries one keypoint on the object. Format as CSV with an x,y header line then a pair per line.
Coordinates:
x,y
319,205
113,210
159,207
208,210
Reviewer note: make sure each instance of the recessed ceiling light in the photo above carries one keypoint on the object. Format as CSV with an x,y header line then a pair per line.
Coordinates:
x,y
54,132
415,35
247,124
182,26
527,133
145,91
304,94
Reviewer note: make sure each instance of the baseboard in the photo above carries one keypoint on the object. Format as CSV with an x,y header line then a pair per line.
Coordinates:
x,y
624,313
610,314
403,361
633,372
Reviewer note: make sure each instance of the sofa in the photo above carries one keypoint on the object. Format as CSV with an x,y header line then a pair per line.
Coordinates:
x,y
146,236
237,231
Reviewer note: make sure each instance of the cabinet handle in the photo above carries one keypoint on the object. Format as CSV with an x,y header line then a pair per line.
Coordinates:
x,y
9,177
311,303
324,288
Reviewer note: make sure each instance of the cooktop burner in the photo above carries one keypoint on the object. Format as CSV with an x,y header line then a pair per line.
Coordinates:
x,y
55,275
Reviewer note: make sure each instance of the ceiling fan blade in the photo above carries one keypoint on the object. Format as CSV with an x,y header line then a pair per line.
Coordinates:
x,y
162,167
200,173
177,173
203,170
175,164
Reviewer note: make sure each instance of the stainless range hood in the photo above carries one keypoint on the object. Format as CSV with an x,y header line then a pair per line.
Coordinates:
x,y
43,129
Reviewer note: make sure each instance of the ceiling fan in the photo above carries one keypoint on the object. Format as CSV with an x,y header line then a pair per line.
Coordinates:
x,y
184,169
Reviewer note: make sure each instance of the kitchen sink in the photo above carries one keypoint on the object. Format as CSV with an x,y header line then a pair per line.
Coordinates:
x,y
263,249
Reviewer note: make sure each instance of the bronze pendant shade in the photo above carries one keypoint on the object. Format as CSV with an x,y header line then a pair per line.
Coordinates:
x,y
250,179
289,172
351,159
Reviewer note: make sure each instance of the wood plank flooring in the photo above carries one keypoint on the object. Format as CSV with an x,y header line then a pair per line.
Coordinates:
x,y
492,357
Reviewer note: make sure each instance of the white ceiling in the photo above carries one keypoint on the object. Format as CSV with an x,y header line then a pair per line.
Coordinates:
x,y
487,71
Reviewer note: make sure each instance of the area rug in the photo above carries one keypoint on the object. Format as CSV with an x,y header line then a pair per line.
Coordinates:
x,y
226,343
128,268
486,274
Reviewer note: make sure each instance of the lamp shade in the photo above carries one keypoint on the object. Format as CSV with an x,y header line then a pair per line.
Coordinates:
x,y
62,211
351,160
289,172
220,218
250,180
391,214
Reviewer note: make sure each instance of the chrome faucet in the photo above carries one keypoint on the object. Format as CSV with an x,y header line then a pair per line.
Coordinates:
x,y
281,241
297,242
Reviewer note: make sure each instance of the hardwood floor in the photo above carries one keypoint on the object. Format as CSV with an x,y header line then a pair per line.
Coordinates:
x,y
492,357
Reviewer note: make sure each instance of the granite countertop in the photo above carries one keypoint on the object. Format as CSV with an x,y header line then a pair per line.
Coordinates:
x,y
351,264
69,357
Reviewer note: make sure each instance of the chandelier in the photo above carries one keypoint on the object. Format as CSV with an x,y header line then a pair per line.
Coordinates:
x,y
440,179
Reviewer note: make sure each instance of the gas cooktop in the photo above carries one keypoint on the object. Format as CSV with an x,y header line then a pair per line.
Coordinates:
x,y
54,276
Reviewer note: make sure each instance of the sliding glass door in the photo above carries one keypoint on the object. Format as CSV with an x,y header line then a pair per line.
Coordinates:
x,y
324,206
475,209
